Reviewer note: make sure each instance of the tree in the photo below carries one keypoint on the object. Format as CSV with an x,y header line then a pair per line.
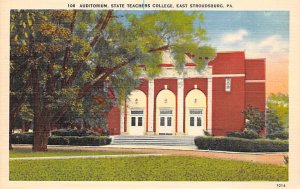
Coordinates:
x,y
278,104
273,124
65,58
254,119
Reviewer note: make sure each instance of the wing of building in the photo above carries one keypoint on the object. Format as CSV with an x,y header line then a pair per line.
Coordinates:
x,y
191,102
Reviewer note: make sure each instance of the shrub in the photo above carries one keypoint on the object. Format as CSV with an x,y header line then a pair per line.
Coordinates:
x,y
73,132
273,125
249,134
27,138
22,138
241,145
279,135
254,119
88,141
58,140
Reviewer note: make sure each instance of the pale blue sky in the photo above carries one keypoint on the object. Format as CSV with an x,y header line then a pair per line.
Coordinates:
x,y
263,31
259,24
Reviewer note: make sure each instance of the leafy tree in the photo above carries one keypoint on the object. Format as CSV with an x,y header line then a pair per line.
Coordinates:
x,y
273,124
64,61
279,105
254,119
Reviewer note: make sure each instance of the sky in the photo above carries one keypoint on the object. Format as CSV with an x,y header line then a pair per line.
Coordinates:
x,y
261,34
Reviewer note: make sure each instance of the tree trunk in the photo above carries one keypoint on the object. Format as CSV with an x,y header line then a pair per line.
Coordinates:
x,y
40,122
40,136
10,135
12,119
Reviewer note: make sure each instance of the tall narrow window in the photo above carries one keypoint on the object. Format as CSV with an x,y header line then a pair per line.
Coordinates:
x,y
132,121
169,121
192,121
140,121
228,84
199,124
162,121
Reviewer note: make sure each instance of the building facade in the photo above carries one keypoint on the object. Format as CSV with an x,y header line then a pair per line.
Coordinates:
x,y
192,102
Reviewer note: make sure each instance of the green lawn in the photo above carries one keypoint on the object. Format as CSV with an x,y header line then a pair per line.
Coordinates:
x,y
17,153
164,168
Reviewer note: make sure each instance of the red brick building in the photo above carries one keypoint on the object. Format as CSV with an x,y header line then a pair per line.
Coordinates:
x,y
192,102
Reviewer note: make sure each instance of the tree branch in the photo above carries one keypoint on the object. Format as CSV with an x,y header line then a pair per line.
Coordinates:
x,y
100,25
68,48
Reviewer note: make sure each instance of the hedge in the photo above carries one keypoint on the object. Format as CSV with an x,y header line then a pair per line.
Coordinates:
x,y
89,141
58,140
73,132
27,138
241,145
22,138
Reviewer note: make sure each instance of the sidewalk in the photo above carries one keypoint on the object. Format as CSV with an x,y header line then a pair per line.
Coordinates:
x,y
86,157
276,158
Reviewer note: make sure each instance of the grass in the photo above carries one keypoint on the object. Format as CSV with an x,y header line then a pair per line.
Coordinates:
x,y
18,153
164,168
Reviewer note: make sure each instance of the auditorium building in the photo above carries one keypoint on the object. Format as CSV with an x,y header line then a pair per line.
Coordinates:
x,y
192,103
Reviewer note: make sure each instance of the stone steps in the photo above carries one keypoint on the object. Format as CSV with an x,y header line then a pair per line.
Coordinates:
x,y
154,140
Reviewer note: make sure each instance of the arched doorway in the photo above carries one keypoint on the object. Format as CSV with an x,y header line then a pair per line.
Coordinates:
x,y
195,113
165,112
136,113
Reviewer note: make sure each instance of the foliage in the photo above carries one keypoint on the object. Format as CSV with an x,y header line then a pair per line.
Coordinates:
x,y
249,134
73,132
22,138
18,153
165,168
89,140
254,119
279,105
279,135
58,140
27,138
273,125
241,145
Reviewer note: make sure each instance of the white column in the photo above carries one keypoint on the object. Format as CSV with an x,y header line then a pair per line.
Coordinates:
x,y
180,104
150,106
122,120
209,105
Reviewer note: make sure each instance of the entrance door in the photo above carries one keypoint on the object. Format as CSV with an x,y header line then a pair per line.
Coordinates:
x,y
166,122
195,119
195,113
137,122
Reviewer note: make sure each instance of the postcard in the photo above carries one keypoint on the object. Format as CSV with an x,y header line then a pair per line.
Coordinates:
x,y
147,94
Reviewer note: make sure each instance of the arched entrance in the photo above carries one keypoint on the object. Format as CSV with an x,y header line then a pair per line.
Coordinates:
x,y
165,112
195,113
136,113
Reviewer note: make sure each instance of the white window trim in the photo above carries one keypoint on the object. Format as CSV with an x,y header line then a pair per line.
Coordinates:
x,y
136,109
228,75
255,81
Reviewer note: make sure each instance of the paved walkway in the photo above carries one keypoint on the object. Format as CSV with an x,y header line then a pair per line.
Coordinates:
x,y
86,157
264,158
